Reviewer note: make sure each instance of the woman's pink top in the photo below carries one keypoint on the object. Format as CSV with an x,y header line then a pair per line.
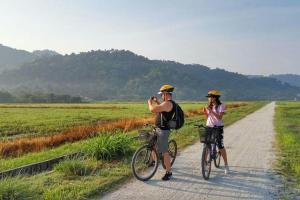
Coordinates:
x,y
212,120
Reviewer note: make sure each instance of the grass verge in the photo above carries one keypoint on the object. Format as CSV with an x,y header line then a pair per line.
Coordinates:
x,y
287,125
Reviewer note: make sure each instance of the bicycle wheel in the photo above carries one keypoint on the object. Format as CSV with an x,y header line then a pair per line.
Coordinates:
x,y
172,149
144,163
206,161
217,160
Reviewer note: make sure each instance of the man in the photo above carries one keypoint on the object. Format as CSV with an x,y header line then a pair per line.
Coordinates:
x,y
164,113
214,113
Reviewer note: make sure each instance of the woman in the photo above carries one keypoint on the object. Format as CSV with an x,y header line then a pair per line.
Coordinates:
x,y
214,113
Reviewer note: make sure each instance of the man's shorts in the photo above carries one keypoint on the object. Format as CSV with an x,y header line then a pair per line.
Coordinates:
x,y
162,140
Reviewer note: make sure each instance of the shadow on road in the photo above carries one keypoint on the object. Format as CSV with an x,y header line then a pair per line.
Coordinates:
x,y
241,181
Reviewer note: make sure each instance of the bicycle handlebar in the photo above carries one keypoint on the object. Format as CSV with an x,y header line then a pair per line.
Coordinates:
x,y
149,125
202,126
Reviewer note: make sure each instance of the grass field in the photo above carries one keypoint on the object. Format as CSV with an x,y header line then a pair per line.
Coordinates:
x,y
44,119
287,121
68,181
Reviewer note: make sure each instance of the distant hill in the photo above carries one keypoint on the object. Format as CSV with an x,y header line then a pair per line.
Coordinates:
x,y
45,53
291,79
123,75
12,58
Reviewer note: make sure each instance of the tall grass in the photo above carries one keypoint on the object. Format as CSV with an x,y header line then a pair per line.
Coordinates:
x,y
17,189
76,167
109,146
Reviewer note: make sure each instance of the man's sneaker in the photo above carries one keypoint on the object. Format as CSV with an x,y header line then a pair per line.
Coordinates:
x,y
226,169
167,176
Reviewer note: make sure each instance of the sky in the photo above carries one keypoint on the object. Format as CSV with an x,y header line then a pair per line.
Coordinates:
x,y
245,36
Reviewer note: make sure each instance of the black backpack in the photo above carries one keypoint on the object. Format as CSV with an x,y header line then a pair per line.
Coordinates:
x,y
177,120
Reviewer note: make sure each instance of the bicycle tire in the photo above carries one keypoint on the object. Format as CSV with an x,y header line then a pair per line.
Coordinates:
x,y
206,161
145,167
217,160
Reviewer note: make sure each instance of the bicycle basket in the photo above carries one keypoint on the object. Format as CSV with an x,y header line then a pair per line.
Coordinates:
x,y
208,135
145,135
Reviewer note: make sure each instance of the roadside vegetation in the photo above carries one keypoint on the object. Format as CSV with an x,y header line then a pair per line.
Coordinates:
x,y
287,124
106,160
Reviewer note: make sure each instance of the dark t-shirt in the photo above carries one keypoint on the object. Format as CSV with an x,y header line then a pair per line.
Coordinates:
x,y
162,118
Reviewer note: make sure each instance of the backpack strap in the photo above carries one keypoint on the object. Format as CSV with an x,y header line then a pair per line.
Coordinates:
x,y
174,114
175,108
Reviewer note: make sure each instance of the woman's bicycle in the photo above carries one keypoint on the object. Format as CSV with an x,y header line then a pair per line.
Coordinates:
x,y
146,158
210,152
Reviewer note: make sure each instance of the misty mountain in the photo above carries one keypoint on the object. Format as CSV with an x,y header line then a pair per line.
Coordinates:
x,y
12,58
291,79
120,74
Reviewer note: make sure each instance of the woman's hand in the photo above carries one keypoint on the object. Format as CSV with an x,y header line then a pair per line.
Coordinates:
x,y
208,109
205,111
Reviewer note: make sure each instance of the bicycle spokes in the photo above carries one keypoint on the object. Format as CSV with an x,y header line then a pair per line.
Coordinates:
x,y
144,163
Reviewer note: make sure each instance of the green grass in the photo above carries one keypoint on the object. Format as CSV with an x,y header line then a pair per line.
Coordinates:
x,y
76,167
287,123
18,120
50,119
109,146
17,189
69,184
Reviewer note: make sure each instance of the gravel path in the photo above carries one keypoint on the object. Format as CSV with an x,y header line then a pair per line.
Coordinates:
x,y
249,147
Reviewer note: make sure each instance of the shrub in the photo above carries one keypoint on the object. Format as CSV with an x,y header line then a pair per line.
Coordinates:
x,y
109,147
76,167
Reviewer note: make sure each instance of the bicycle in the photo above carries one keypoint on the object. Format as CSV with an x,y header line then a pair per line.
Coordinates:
x,y
146,158
209,152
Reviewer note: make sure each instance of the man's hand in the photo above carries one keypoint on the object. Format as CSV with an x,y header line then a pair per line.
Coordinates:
x,y
154,99
150,101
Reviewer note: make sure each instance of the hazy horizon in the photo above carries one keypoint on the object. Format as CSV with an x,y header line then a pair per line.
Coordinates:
x,y
249,37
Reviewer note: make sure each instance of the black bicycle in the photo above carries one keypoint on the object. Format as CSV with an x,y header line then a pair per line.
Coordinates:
x,y
146,158
210,152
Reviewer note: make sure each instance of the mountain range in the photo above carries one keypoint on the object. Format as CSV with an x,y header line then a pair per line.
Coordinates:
x,y
124,75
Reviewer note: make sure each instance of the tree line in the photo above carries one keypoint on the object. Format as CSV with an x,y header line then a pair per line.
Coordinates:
x,y
6,97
